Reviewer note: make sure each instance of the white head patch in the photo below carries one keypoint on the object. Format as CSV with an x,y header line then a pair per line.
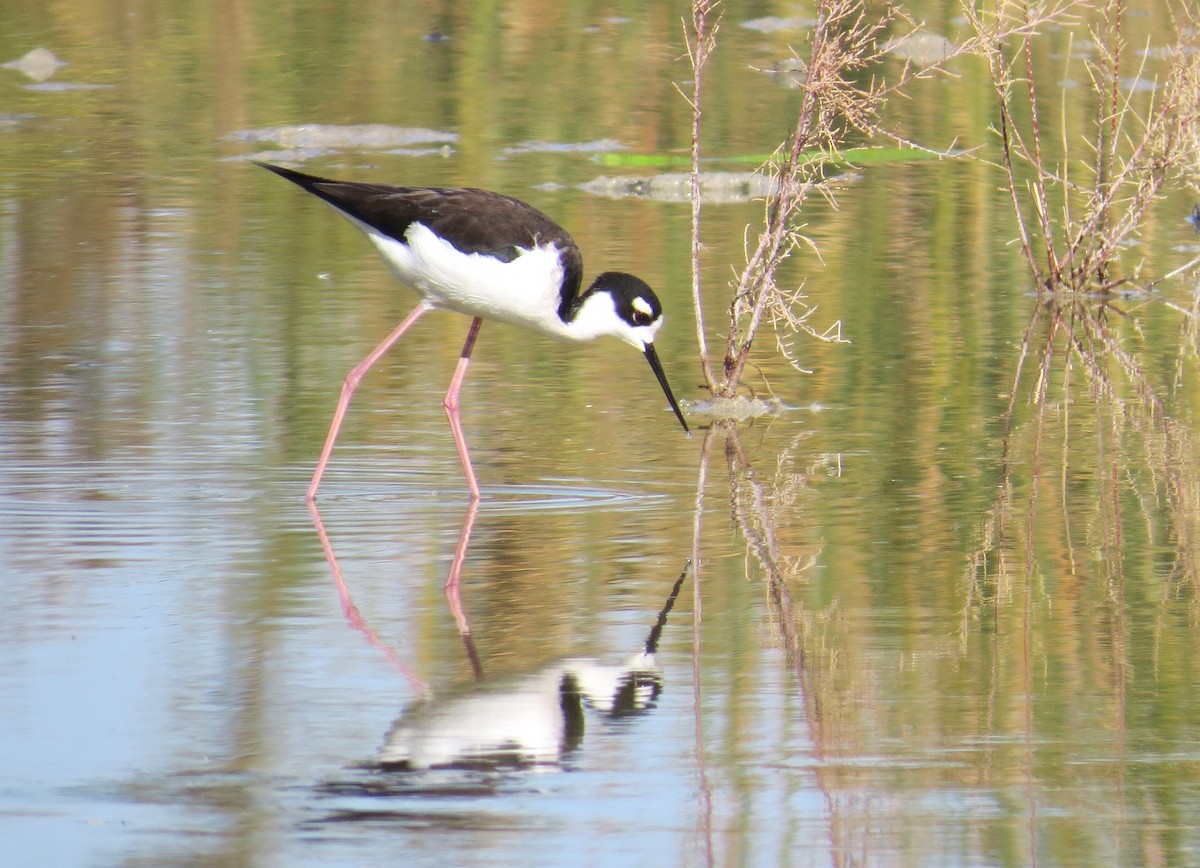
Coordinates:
x,y
642,306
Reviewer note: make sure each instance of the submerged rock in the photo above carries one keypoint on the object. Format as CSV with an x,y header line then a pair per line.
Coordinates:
x,y
337,136
791,72
599,146
38,64
776,23
738,408
923,49
677,186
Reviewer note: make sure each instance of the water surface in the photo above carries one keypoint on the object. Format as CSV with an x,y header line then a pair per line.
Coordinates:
x,y
928,621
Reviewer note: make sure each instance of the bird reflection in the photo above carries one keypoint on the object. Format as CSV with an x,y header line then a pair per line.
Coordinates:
x,y
534,719
515,721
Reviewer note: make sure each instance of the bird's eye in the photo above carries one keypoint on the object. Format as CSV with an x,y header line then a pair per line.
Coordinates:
x,y
641,312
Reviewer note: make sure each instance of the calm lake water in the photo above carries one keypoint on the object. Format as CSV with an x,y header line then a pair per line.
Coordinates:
x,y
925,618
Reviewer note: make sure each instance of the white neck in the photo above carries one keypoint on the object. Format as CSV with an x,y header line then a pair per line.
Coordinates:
x,y
597,317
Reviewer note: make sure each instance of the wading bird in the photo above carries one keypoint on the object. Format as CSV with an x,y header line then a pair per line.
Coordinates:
x,y
492,257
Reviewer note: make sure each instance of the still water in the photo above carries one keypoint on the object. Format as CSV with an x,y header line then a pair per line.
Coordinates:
x,y
924,619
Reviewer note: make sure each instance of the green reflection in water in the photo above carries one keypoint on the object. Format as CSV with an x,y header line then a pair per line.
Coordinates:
x,y
935,629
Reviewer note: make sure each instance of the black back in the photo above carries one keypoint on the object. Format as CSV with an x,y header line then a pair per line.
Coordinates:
x,y
474,221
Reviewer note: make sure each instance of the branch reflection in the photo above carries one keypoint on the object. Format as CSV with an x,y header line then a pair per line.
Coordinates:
x,y
756,505
1100,429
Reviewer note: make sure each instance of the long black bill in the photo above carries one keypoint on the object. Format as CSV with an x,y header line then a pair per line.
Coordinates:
x,y
652,358
656,632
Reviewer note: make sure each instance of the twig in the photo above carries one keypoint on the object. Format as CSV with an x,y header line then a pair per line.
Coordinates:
x,y
699,51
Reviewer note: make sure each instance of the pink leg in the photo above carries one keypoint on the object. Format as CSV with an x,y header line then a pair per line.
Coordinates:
x,y
348,387
453,586
451,405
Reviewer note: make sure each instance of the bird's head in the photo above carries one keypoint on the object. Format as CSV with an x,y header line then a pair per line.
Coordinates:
x,y
626,307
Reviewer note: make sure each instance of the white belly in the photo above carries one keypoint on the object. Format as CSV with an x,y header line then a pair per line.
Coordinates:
x,y
523,292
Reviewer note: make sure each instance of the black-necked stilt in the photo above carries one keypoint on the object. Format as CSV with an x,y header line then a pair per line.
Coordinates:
x,y
534,718
490,256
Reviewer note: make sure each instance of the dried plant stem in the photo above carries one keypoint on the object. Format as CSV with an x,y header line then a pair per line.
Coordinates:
x,y
1141,142
844,40
1137,149
1006,126
699,48
1042,202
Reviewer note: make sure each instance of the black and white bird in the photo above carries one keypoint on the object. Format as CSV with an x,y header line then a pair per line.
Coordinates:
x,y
490,256
526,719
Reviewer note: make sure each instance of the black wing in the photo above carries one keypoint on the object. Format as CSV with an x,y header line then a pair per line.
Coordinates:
x,y
474,221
